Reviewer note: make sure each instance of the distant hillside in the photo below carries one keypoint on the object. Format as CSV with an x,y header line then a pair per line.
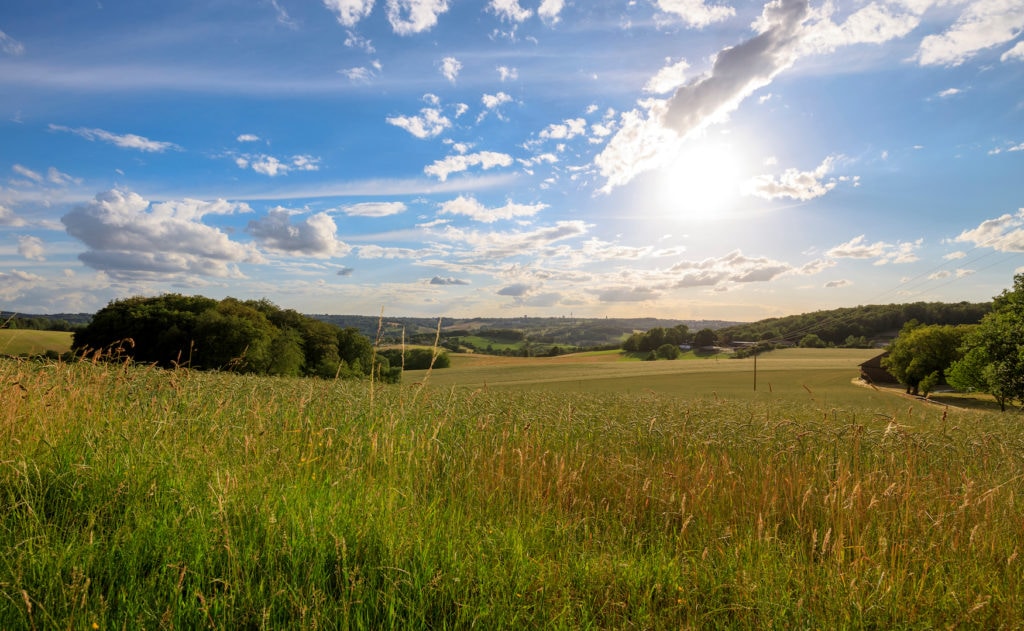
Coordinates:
x,y
568,331
53,322
871,322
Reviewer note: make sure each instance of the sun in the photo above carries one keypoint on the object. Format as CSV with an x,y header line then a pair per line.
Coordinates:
x,y
703,182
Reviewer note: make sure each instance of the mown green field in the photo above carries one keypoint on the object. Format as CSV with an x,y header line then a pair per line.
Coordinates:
x,y
28,342
504,498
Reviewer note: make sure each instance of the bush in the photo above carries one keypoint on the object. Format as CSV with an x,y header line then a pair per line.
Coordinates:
x,y
668,351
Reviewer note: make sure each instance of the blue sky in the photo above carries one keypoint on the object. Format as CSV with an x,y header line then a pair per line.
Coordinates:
x,y
672,158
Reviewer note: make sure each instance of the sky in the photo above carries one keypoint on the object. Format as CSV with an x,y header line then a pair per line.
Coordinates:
x,y
682,159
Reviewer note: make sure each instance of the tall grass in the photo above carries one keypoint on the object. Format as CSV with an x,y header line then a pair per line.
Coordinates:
x,y
137,498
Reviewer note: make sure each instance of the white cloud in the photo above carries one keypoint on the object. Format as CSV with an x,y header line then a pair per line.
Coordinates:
x,y
450,67
983,24
801,185
566,130
873,24
549,10
282,16
641,144
883,253
247,138
360,74
128,238
1005,233
125,141
8,218
470,207
11,46
955,256
441,169
697,13
493,246
510,10
350,11
858,248
430,123
53,176
271,166
1014,54
644,140
408,17
832,284
668,78
944,274
507,74
27,173
732,268
357,41
31,248
313,236
492,101
945,94
374,209
627,294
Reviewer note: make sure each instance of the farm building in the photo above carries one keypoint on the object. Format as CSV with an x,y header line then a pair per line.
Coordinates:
x,y
872,371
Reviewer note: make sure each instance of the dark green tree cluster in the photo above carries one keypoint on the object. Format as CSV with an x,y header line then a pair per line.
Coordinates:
x,y
417,358
919,357
251,336
657,337
993,352
986,357
854,326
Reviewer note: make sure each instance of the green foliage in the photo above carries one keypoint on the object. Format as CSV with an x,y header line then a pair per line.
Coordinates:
x,y
868,321
993,354
705,337
417,358
657,337
920,351
811,340
668,351
253,336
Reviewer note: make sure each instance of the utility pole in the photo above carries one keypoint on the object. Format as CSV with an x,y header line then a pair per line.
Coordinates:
x,y
755,367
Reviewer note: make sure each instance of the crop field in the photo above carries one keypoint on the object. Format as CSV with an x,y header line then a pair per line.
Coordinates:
x,y
29,342
569,493
802,373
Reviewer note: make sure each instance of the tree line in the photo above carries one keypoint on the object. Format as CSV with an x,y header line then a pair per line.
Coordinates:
x,y
985,357
851,325
248,336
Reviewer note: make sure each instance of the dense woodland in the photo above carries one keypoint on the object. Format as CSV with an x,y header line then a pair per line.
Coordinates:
x,y
252,336
846,326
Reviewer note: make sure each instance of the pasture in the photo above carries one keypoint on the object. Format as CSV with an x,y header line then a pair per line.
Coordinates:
x,y
30,342
543,494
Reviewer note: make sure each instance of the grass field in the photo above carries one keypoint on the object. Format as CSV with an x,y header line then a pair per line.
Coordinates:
x,y
28,342
137,498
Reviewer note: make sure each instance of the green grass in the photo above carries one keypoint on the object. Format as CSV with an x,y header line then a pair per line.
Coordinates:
x,y
136,498
29,342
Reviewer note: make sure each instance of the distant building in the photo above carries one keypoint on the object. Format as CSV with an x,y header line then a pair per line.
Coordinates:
x,y
872,371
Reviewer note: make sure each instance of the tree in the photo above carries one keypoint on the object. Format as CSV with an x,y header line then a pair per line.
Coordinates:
x,y
993,354
668,351
162,329
811,340
234,336
705,337
920,351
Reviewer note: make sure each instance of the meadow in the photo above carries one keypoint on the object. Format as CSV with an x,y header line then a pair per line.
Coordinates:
x,y
30,342
551,493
